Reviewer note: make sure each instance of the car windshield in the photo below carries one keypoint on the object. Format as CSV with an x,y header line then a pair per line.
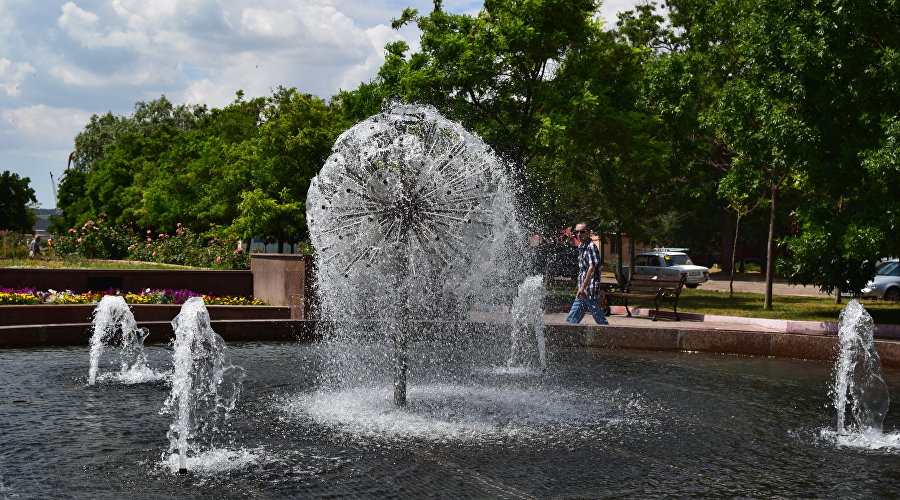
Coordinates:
x,y
888,269
677,260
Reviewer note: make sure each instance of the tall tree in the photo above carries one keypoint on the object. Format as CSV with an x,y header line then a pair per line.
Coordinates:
x,y
17,202
494,71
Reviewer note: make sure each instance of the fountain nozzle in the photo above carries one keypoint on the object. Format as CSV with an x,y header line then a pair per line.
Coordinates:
x,y
182,471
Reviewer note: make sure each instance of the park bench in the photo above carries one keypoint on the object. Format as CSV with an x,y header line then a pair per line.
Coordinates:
x,y
663,290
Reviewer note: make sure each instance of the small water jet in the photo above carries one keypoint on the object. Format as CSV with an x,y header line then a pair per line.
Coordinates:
x,y
857,374
113,323
205,385
528,326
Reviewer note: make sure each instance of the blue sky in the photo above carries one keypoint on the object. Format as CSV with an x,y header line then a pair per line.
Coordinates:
x,y
63,61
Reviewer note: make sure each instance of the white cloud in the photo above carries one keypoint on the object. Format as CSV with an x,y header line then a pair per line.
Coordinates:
x,y
12,74
46,122
101,55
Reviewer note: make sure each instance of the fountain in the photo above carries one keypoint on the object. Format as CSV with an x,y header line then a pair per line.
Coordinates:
x,y
205,385
413,218
114,323
528,326
424,287
857,374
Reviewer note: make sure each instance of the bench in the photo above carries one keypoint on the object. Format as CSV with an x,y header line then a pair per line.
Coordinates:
x,y
661,289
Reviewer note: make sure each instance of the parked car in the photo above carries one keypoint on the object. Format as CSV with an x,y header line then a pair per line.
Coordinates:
x,y
670,262
886,284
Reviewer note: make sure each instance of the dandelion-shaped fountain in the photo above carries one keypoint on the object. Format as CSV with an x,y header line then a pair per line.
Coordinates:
x,y
205,385
857,374
113,322
411,216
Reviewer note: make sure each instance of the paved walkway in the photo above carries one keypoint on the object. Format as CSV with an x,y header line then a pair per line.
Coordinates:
x,y
621,319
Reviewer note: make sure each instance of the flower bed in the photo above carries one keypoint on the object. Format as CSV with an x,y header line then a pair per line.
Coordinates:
x,y
25,296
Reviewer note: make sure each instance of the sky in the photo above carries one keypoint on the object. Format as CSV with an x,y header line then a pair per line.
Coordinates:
x,y
63,61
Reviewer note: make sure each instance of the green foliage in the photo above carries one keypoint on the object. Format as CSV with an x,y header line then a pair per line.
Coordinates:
x,y
13,245
187,248
16,203
100,240
94,240
169,164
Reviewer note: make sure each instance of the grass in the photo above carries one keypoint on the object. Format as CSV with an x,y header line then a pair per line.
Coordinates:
x,y
52,263
750,305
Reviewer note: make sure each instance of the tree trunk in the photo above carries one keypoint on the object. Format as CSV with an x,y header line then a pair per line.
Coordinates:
x,y
630,257
734,244
770,252
602,254
727,261
619,277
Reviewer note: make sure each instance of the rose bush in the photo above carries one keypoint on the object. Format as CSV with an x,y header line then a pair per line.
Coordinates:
x,y
98,240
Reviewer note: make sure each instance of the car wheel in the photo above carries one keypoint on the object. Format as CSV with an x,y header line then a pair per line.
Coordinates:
x,y
893,294
692,285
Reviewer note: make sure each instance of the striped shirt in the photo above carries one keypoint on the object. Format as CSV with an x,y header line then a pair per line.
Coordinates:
x,y
589,255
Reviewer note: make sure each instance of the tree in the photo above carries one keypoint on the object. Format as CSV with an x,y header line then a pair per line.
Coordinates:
x,y
93,144
17,202
843,57
494,72
295,137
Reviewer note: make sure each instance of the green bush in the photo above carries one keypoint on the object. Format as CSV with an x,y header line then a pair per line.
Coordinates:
x,y
94,240
187,249
13,245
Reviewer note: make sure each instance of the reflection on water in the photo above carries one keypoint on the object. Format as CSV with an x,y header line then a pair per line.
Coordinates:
x,y
596,424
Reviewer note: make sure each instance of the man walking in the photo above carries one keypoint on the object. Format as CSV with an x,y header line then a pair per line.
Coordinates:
x,y
588,294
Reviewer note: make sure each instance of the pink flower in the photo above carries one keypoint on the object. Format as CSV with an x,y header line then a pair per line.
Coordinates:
x,y
153,254
148,231
178,225
71,230
149,239
79,240
96,228
239,250
83,228
147,244
162,235
218,259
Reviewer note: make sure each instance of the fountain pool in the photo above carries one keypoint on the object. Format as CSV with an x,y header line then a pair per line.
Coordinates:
x,y
597,423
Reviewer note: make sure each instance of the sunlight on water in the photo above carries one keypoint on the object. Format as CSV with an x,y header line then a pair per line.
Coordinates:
x,y
216,461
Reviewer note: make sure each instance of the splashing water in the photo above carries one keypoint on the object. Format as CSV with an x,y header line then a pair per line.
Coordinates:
x,y
112,316
413,218
205,385
528,326
857,373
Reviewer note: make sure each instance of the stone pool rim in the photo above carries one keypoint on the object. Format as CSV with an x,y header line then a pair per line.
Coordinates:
x,y
670,338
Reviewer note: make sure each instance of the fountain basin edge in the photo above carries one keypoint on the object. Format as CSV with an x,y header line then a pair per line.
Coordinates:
x,y
718,341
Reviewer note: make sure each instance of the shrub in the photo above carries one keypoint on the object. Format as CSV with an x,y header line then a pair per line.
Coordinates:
x,y
13,245
94,240
187,248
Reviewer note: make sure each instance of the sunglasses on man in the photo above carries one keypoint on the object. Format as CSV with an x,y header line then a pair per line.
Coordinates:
x,y
579,231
